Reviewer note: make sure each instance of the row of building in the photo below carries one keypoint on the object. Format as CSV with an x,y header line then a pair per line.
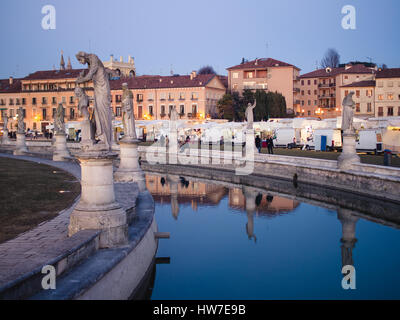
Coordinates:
x,y
315,94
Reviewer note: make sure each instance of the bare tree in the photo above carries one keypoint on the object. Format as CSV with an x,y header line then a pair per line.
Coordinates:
x,y
206,70
331,59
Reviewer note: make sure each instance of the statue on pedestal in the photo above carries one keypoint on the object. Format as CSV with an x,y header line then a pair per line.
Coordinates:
x,y
128,117
348,113
89,124
21,125
102,95
249,115
59,123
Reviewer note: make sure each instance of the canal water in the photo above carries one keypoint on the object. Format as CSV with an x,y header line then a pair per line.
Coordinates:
x,y
235,243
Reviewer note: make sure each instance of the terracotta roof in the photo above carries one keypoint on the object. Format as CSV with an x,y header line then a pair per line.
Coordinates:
x,y
388,73
5,86
262,63
54,74
366,83
320,73
156,82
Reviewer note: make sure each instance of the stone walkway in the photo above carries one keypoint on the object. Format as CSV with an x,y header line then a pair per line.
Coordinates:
x,y
38,247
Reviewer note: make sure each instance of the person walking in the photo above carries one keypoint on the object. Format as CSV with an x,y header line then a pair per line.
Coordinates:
x,y
258,144
270,145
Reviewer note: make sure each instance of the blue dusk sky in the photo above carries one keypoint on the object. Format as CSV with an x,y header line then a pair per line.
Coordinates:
x,y
184,35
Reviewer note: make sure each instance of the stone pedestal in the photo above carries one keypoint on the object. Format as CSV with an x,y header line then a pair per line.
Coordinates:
x,y
60,148
97,208
349,154
348,239
250,141
87,134
129,169
5,139
20,148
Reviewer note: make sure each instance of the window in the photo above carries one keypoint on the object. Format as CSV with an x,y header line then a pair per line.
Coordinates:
x,y
302,102
390,96
170,109
346,92
63,99
118,111
380,97
162,111
379,83
182,109
235,86
368,93
71,100
357,93
309,112
151,110
140,112
53,114
170,96
44,100
302,92
369,107
54,100
11,112
248,74
380,111
24,114
346,77
308,82
139,98
398,111
23,101
194,109
315,102
150,96
71,113
309,92
17,102
390,111
309,102
182,95
118,98
34,101
302,82
357,107
315,92
235,75
11,102
195,95
44,113
315,81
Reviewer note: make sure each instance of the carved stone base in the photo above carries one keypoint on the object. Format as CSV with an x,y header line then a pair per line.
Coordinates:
x,y
250,141
97,208
87,134
349,155
129,169
21,147
60,152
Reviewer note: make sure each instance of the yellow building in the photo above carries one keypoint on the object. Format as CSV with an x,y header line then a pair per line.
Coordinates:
x,y
387,93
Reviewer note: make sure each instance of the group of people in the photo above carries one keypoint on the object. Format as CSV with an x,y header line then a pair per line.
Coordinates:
x,y
269,141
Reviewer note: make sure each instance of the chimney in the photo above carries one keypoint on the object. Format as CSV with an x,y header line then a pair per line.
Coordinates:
x,y
256,63
111,57
193,75
11,80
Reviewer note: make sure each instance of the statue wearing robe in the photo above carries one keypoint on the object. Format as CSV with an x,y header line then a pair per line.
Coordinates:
x,y
59,124
21,125
249,115
128,117
348,113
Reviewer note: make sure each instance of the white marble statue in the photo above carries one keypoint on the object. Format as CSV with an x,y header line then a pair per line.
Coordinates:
x,y
59,123
128,117
174,116
83,102
348,113
102,95
249,115
21,125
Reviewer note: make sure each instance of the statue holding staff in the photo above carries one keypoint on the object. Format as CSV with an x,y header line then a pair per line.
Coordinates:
x,y
59,123
249,114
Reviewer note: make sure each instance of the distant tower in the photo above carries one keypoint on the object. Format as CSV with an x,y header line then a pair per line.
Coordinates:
x,y
69,66
62,63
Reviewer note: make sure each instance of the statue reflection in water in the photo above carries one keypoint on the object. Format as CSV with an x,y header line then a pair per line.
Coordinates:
x,y
348,240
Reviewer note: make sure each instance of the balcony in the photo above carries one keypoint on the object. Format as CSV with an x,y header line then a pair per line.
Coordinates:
x,y
296,90
323,85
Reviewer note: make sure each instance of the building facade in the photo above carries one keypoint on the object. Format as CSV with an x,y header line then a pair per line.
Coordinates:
x,y
194,96
320,90
364,97
387,93
269,75
125,69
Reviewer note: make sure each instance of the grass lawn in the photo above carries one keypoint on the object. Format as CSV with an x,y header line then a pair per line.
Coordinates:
x,y
30,194
365,158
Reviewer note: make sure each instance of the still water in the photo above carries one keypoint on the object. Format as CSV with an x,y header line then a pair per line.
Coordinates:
x,y
234,243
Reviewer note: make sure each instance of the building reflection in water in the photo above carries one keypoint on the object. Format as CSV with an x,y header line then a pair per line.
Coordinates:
x,y
178,190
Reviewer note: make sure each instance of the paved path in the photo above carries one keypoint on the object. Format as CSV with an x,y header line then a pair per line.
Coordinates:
x,y
49,240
